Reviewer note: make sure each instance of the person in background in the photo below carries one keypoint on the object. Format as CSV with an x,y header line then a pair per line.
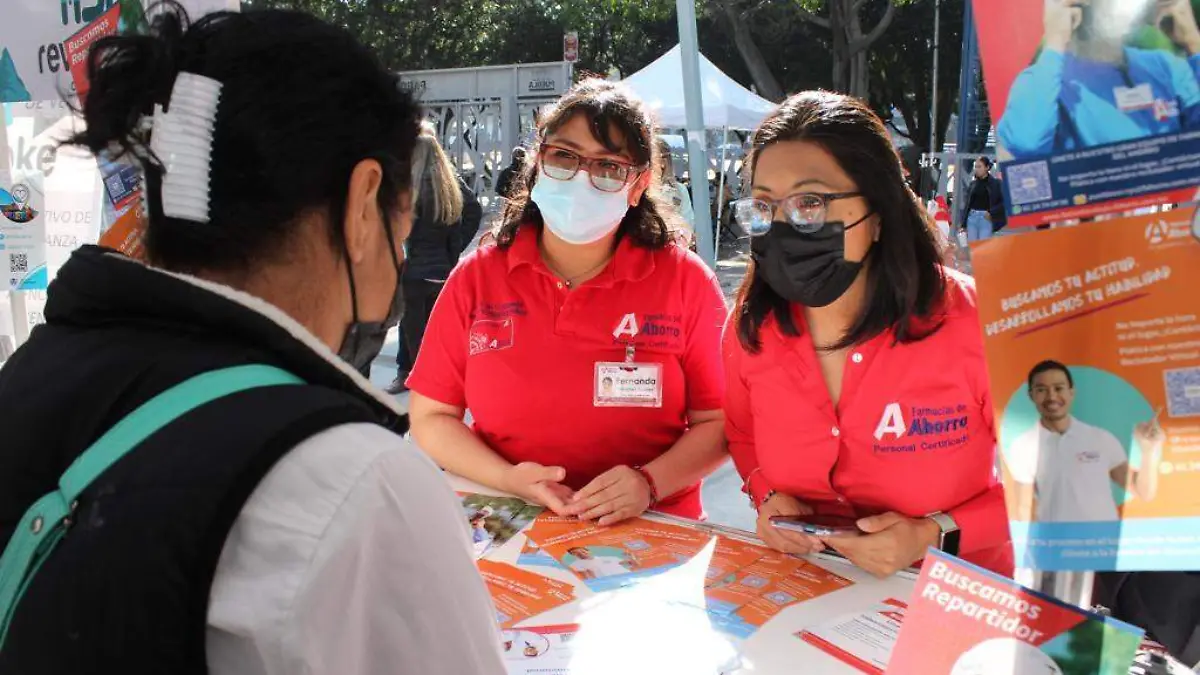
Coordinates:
x,y
583,283
504,184
272,530
1088,88
850,340
445,220
677,195
983,212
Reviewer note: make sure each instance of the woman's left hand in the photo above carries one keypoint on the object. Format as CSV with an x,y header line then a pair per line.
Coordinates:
x,y
618,494
890,542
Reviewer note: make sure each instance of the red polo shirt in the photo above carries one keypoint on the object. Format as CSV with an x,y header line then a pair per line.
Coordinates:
x,y
913,432
510,342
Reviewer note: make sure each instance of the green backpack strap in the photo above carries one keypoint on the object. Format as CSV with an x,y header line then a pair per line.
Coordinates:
x,y
47,521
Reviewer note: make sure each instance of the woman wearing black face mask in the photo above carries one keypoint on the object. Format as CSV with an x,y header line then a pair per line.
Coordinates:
x,y
262,517
857,387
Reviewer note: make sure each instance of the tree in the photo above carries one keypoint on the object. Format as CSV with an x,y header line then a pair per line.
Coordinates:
x,y
770,44
735,14
849,39
902,63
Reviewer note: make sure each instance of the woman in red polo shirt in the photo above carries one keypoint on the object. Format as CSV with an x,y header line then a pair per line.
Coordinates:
x,y
585,344
857,381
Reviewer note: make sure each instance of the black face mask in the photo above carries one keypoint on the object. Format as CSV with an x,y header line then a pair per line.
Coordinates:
x,y
807,269
364,339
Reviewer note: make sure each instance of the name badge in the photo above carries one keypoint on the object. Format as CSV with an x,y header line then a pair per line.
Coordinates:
x,y
1129,99
628,385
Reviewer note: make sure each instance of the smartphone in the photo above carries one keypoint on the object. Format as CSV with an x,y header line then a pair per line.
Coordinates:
x,y
818,526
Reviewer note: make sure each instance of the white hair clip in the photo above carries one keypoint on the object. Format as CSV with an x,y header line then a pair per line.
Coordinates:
x,y
181,138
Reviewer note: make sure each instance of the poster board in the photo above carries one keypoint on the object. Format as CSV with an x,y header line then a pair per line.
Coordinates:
x,y
965,620
1097,107
34,63
1094,355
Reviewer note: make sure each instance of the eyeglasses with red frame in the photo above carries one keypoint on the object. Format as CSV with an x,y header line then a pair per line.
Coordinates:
x,y
606,175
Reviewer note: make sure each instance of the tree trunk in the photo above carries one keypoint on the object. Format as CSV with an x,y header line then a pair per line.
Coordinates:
x,y
841,44
760,71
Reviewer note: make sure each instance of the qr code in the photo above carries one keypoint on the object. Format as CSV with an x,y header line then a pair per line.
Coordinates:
x,y
1183,392
636,545
780,598
18,263
115,185
1028,183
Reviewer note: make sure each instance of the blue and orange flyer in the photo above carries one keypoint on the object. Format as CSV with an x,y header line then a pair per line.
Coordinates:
x,y
965,620
1092,335
519,595
611,557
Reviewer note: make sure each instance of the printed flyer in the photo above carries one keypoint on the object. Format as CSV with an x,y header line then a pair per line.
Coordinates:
x,y
519,595
79,45
765,589
610,557
1093,346
540,650
495,520
532,556
965,620
1097,103
864,640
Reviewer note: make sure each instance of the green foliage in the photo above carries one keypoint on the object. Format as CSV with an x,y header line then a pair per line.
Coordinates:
x,y
1095,648
629,34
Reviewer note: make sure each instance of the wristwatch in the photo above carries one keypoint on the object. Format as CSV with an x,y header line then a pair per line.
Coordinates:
x,y
948,540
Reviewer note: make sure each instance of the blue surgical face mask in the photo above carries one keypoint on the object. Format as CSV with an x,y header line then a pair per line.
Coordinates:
x,y
577,212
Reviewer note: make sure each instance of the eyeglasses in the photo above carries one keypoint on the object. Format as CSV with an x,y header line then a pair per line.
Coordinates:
x,y
607,175
805,212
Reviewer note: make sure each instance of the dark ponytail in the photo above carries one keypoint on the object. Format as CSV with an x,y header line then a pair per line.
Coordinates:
x,y
302,103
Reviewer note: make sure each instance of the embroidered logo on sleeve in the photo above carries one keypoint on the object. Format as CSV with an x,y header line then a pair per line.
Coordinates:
x,y
489,335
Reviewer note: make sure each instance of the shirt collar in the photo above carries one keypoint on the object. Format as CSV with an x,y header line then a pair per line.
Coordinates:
x,y
630,262
1073,428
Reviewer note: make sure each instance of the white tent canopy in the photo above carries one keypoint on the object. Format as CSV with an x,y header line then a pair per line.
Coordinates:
x,y
727,104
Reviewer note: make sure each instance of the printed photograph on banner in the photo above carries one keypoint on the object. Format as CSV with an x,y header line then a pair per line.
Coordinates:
x,y
1096,103
1093,345
965,620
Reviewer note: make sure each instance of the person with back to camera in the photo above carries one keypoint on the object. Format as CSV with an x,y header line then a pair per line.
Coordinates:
x,y
1088,88
445,219
270,520
505,183
857,386
583,284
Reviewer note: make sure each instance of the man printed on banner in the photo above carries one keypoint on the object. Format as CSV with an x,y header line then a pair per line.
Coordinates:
x,y
1108,71
1069,466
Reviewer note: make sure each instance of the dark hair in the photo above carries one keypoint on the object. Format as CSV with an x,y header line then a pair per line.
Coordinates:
x,y
302,103
1047,366
606,105
987,161
905,283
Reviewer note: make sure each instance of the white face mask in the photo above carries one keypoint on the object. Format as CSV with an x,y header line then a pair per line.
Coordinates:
x,y
577,212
